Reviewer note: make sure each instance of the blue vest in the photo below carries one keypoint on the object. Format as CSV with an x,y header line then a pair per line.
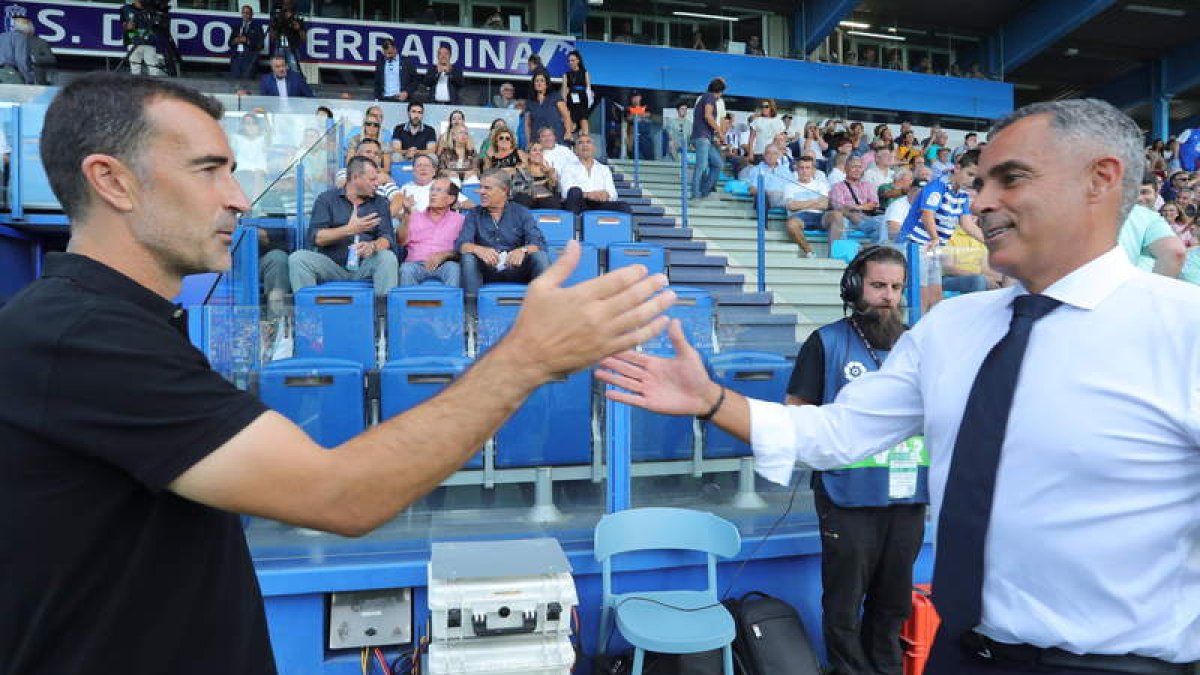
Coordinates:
x,y
869,482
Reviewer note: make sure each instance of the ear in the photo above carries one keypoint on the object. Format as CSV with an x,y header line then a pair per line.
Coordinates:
x,y
111,180
1104,178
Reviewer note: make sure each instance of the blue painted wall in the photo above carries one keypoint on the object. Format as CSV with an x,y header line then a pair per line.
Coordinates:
x,y
666,68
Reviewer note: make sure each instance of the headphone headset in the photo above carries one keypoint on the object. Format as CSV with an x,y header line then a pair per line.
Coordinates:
x,y
852,276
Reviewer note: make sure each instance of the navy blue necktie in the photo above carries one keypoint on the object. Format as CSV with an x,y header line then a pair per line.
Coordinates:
x,y
967,503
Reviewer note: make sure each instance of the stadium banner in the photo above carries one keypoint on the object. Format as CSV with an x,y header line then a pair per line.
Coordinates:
x,y
94,29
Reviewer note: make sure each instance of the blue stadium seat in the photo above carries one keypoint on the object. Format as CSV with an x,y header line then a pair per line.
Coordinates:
x,y
694,307
588,267
552,428
556,226
324,397
425,320
471,191
406,383
651,256
843,249
602,228
498,306
737,188
402,172
759,375
336,321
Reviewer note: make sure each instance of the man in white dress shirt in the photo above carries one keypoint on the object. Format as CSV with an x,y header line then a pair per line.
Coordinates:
x,y
1092,546
587,185
557,156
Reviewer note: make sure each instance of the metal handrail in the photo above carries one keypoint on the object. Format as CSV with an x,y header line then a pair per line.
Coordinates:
x,y
760,204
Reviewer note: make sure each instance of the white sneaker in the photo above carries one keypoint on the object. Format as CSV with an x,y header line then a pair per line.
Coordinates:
x,y
810,254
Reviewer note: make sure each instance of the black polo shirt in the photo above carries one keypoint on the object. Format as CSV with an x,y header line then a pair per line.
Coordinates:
x,y
103,403
419,139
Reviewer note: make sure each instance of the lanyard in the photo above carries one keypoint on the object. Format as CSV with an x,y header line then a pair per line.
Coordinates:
x,y
870,349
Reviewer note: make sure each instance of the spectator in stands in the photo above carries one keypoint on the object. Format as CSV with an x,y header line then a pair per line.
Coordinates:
x,y
896,211
486,145
545,108
854,201
906,147
880,172
871,529
429,238
395,77
896,188
676,130
139,37
444,79
495,20
150,454
577,92
942,165
837,169
533,67
943,205
416,137
384,185
251,144
416,191
352,233
542,192
776,175
970,142
288,32
813,144
282,81
1178,222
754,46
806,201
860,144
273,270
792,129
883,134
705,128
843,149
500,241
506,98
558,156
1147,239
457,159
938,138
763,129
732,143
1186,199
245,43
638,110
372,128
587,185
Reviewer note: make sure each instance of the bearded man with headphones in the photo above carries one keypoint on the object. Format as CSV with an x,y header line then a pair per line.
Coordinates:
x,y
871,513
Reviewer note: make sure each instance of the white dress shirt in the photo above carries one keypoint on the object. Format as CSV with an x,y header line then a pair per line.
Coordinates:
x,y
281,86
599,178
1094,541
560,157
391,77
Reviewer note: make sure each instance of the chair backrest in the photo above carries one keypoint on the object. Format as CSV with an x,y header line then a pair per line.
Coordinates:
x,y
556,226
425,320
324,397
471,191
843,249
607,227
664,529
402,172
652,256
336,320
694,307
588,266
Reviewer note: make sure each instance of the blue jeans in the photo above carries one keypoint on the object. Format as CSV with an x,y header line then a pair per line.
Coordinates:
x,y
475,272
707,169
413,273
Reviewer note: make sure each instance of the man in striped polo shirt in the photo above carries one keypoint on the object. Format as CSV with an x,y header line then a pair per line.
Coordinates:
x,y
942,206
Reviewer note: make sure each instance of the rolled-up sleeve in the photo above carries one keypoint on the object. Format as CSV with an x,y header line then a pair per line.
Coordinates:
x,y
875,411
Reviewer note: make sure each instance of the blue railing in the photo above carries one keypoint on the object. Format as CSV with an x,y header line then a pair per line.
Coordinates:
x,y
760,204
683,183
912,292
637,152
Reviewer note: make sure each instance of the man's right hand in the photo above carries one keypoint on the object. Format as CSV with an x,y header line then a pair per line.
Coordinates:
x,y
487,255
359,224
671,386
561,330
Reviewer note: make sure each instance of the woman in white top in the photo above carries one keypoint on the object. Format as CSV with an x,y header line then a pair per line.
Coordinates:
x,y
763,129
250,145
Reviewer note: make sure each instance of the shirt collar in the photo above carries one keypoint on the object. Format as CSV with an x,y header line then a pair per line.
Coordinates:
x,y
95,275
1091,284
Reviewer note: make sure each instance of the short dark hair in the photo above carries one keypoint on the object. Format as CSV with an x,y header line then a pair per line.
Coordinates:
x,y
357,166
367,141
325,110
971,134
387,43
716,86
416,104
968,158
104,114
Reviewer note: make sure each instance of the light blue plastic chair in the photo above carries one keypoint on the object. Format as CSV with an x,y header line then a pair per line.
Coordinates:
x,y
669,622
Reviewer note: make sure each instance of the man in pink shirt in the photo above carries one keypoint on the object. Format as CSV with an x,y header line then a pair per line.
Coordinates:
x,y
429,236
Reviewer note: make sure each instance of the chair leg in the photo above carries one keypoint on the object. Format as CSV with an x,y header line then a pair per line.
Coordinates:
x,y
727,656
606,618
638,657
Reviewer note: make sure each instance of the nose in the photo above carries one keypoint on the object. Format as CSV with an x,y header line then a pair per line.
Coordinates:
x,y
985,199
235,197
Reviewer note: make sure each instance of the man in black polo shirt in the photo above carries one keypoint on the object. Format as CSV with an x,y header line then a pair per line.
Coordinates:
x,y
415,137
124,459
352,231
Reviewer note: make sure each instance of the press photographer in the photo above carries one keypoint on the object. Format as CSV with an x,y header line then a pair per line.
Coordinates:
x,y
287,33
140,23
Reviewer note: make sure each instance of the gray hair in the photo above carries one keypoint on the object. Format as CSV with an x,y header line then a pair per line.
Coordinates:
x,y
1096,124
503,180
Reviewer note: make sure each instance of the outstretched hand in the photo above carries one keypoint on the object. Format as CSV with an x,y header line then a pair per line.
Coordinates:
x,y
674,386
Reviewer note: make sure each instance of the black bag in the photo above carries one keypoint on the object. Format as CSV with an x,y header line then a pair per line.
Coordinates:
x,y
701,663
770,637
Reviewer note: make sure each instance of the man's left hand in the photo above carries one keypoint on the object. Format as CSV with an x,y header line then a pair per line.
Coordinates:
x,y
516,257
366,249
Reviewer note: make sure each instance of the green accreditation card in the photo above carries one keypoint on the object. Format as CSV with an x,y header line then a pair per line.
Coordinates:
x,y
903,462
